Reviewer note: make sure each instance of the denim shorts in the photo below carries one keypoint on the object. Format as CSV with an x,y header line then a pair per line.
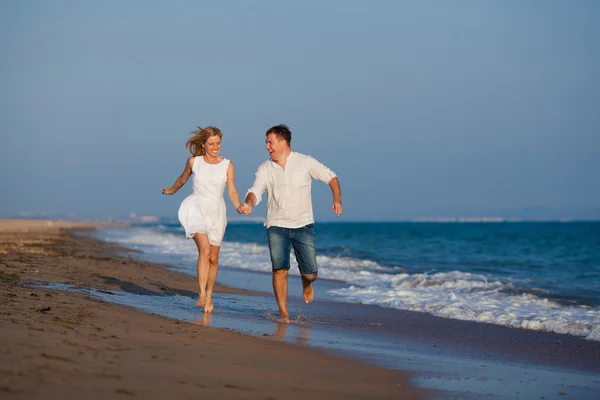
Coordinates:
x,y
302,240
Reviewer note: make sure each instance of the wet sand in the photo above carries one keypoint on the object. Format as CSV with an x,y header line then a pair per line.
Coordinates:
x,y
57,344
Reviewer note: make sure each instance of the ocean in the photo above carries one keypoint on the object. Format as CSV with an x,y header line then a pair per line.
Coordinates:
x,y
531,275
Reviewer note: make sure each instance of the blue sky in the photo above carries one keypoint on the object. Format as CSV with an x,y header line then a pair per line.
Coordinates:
x,y
423,108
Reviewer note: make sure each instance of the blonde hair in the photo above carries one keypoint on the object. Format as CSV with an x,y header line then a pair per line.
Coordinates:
x,y
195,144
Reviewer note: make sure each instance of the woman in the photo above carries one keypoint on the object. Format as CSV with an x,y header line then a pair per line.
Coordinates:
x,y
202,214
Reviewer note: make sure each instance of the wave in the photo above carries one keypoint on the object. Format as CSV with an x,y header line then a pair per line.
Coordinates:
x,y
454,294
471,297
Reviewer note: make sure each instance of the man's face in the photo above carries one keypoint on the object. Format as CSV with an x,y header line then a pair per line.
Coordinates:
x,y
275,146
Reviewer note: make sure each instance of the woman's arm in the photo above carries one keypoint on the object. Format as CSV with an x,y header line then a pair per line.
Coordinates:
x,y
182,179
234,197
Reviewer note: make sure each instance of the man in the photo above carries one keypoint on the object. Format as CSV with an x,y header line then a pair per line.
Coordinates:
x,y
287,179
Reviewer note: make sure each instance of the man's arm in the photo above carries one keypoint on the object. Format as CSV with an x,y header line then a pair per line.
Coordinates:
x,y
336,207
254,195
318,170
250,202
324,174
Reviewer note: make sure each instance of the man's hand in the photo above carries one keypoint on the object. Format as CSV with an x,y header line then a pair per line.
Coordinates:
x,y
245,209
166,191
336,207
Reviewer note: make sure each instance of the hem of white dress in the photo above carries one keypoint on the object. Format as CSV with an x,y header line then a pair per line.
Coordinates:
x,y
191,236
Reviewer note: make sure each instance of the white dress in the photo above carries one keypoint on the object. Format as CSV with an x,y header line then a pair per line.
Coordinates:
x,y
204,210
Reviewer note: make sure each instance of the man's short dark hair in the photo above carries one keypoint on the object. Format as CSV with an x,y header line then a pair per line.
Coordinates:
x,y
282,131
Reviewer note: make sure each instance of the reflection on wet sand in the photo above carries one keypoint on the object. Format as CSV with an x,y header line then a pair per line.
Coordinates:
x,y
302,331
304,335
205,320
280,329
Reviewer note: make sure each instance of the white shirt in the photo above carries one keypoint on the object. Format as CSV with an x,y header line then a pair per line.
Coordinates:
x,y
289,190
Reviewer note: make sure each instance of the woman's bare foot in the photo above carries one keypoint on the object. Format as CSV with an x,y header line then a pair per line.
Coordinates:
x,y
308,293
208,308
201,301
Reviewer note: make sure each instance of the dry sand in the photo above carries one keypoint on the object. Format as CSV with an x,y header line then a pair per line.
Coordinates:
x,y
64,345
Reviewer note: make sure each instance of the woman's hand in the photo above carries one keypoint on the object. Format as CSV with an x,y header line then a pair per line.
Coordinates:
x,y
245,209
166,191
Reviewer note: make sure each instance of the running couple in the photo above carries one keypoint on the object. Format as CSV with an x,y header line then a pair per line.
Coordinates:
x,y
286,177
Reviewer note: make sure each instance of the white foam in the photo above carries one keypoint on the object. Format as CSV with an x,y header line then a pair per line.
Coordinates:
x,y
466,296
457,295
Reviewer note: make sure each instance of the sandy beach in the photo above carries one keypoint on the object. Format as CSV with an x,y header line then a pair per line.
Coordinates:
x,y
57,344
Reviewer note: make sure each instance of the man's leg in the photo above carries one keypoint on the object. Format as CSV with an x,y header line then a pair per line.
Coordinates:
x,y
280,287
279,247
303,241
307,291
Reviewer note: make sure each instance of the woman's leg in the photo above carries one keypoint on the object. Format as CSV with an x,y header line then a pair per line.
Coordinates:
x,y
201,240
213,269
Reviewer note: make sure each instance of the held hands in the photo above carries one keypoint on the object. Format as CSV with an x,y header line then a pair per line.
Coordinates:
x,y
336,207
245,209
167,191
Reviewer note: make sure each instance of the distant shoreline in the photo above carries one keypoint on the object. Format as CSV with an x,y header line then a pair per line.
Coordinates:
x,y
125,223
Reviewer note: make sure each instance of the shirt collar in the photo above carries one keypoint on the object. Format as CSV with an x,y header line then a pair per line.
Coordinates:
x,y
290,156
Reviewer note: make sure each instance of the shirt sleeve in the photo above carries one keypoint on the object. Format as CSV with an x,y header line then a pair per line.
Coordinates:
x,y
318,170
260,184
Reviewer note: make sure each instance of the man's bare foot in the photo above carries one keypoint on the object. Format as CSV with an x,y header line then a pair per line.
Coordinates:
x,y
208,308
308,293
284,318
201,301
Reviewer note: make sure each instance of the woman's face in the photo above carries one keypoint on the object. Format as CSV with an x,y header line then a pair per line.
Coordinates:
x,y
212,146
